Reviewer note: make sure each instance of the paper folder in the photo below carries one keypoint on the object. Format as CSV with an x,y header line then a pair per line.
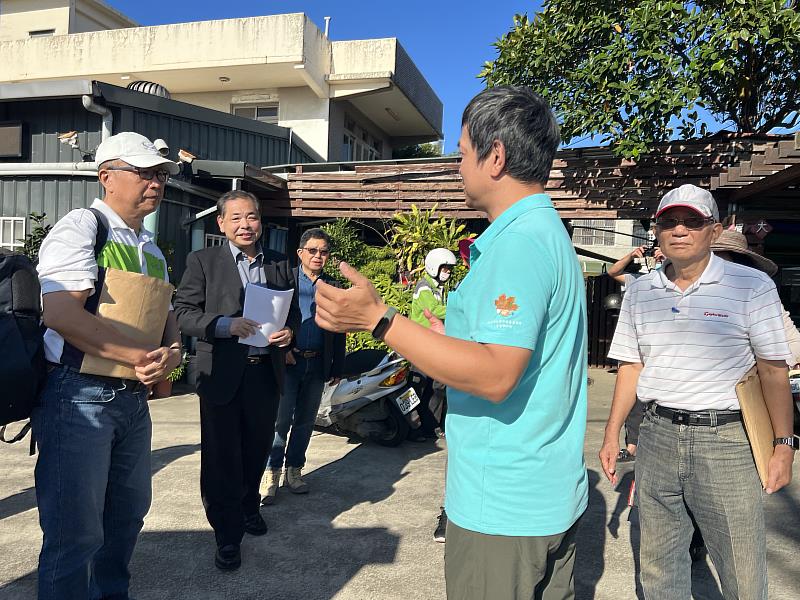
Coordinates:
x,y
757,421
137,306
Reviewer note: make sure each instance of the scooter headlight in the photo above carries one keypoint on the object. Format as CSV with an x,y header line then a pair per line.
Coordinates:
x,y
395,378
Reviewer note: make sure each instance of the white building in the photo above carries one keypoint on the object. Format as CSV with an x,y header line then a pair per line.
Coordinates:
x,y
348,100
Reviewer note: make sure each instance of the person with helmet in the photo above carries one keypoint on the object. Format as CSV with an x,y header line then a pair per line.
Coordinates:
x,y
429,294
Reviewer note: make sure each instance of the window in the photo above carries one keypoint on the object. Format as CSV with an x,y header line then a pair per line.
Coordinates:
x,y
277,237
348,147
42,33
641,236
12,233
266,113
590,236
214,240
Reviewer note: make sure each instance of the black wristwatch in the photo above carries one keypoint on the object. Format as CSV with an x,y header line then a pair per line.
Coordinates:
x,y
786,441
383,324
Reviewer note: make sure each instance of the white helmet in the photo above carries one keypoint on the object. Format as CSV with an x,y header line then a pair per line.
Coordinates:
x,y
436,258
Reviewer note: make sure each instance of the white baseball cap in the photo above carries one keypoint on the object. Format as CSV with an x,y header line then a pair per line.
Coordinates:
x,y
134,149
692,197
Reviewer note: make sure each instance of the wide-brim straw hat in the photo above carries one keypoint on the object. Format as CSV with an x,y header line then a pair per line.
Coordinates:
x,y
733,241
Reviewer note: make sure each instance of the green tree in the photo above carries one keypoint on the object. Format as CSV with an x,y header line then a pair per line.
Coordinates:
x,y
635,72
418,151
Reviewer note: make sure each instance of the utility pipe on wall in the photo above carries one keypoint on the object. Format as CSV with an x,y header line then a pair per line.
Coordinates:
x,y
108,119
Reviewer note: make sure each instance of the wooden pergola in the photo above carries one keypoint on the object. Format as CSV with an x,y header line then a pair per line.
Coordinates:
x,y
584,182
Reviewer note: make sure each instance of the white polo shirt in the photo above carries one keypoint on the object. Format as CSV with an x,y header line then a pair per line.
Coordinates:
x,y
67,262
697,344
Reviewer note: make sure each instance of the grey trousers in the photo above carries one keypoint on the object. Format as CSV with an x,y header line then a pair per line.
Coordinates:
x,y
497,567
710,472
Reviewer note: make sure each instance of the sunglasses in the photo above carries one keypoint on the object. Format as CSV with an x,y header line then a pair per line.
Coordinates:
x,y
145,174
315,251
689,222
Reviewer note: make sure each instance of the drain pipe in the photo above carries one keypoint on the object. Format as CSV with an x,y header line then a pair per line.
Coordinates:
x,y
108,119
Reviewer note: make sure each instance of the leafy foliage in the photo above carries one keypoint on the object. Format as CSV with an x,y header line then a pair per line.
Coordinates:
x,y
418,151
411,236
640,71
416,233
33,241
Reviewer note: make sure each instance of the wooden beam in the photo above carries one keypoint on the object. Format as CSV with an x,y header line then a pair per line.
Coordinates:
x,y
788,176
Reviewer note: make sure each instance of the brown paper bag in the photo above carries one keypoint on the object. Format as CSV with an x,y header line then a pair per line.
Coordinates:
x,y
756,421
137,306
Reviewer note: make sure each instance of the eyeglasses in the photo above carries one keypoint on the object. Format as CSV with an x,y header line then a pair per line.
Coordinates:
x,y
689,222
145,174
315,251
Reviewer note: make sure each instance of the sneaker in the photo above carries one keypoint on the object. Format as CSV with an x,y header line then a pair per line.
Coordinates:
x,y
293,479
441,528
272,480
625,456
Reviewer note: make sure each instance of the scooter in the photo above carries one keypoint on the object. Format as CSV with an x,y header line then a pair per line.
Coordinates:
x,y
375,398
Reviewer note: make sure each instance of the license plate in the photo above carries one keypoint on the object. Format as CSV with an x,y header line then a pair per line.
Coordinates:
x,y
407,401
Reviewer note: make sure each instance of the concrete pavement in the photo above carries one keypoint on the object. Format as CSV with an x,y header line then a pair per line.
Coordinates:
x,y
363,533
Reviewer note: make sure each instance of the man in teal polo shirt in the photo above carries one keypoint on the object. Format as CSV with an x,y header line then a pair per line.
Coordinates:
x,y
513,357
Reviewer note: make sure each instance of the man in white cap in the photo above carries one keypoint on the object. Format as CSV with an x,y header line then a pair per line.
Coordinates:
x,y
93,471
686,335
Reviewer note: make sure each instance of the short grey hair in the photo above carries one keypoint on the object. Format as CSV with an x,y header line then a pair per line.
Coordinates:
x,y
314,234
523,122
236,195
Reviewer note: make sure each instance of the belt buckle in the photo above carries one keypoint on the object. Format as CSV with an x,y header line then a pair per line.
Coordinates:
x,y
680,418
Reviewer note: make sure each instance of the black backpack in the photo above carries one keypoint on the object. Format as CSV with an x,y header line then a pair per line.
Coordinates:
x,y
22,368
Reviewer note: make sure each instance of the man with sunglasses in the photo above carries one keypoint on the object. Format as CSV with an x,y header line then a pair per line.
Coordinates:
x,y
93,473
317,357
686,335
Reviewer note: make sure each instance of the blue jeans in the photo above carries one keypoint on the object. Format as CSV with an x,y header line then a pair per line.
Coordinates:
x,y
297,410
710,472
92,484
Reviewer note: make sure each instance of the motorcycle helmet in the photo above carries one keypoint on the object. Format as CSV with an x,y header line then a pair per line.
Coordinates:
x,y
612,302
437,258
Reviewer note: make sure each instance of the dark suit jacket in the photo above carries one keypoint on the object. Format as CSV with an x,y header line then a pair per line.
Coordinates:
x,y
211,288
333,343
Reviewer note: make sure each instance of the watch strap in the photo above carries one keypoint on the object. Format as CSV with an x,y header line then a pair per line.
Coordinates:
x,y
792,442
383,324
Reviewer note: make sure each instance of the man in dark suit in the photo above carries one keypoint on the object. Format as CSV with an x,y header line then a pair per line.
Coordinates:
x,y
317,357
239,385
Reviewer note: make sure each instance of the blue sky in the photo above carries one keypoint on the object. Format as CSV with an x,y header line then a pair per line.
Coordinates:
x,y
449,40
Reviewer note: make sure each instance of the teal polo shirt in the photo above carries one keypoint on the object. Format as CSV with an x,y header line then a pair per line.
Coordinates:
x,y
516,468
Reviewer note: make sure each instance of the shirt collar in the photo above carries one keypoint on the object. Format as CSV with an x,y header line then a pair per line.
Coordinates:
x,y
116,222
306,277
713,273
506,218
239,255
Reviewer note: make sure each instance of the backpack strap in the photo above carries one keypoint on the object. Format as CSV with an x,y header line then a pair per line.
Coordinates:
x,y
102,232
22,433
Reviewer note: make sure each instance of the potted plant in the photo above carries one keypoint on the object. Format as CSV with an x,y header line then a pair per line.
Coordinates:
x,y
163,389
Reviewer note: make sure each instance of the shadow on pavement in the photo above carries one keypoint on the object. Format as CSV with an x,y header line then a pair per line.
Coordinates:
x,y
313,548
26,499
591,541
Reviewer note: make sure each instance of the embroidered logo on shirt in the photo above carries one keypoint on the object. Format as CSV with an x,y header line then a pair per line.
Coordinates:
x,y
714,314
505,305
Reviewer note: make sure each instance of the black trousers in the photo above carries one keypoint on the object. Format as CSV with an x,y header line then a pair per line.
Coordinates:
x,y
235,439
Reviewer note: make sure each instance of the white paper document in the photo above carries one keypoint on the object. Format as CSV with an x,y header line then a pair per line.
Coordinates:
x,y
268,307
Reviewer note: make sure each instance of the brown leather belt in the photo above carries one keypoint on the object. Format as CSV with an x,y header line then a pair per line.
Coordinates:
x,y
306,353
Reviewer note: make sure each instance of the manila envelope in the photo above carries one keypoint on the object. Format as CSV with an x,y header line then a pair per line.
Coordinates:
x,y
757,422
137,306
